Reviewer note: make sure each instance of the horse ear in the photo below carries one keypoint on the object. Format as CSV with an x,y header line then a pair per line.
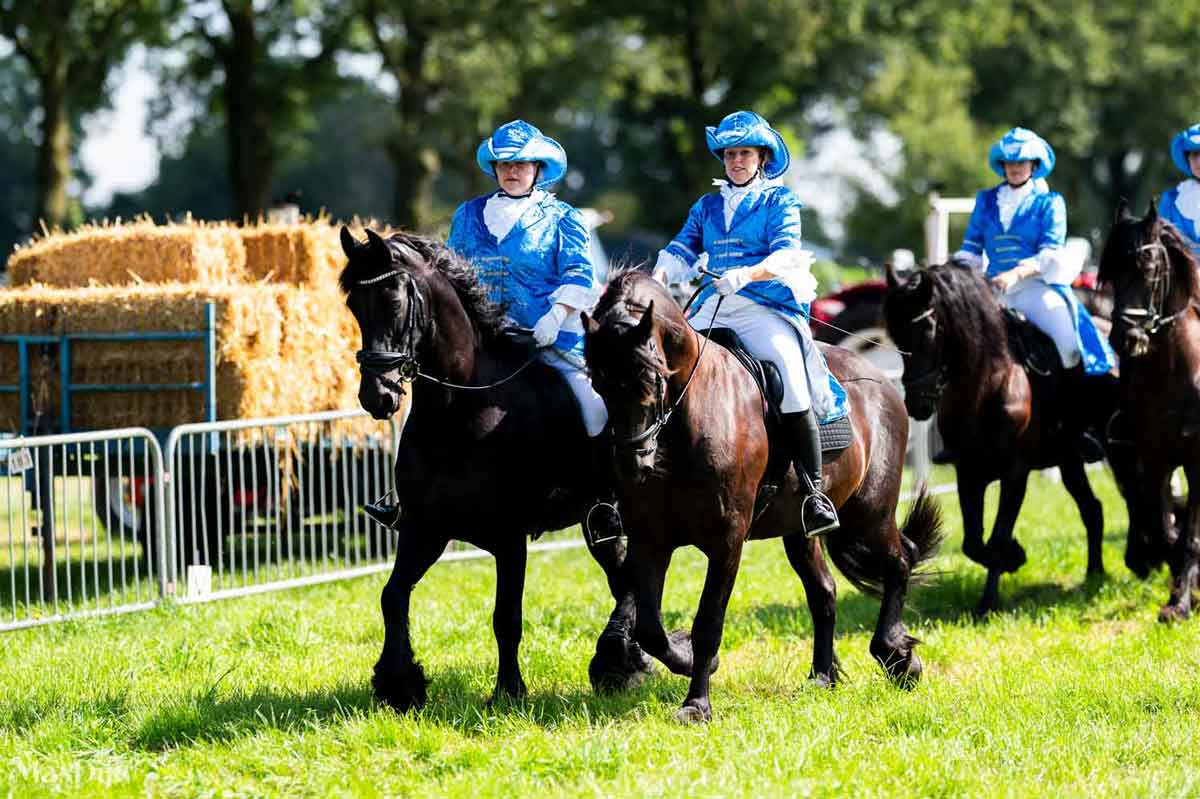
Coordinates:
x,y
921,287
378,246
646,326
590,325
1122,214
1151,220
350,245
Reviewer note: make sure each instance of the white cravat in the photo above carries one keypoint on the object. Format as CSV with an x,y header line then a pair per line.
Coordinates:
x,y
1188,201
733,195
501,212
1009,199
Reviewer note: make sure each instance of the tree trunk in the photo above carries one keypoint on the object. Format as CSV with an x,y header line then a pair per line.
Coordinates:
x,y
248,134
54,154
415,170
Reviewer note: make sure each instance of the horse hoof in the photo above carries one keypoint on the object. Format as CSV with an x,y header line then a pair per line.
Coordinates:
x,y
823,682
910,676
401,689
690,714
609,675
511,691
1172,614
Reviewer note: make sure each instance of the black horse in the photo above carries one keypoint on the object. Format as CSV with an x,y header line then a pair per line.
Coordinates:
x,y
490,467
1156,329
997,407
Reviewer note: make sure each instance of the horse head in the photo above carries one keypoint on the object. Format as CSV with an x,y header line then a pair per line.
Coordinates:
x,y
1152,275
385,293
627,346
912,322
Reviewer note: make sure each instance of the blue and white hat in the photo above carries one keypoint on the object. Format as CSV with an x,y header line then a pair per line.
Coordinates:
x,y
1021,144
748,129
1186,141
520,141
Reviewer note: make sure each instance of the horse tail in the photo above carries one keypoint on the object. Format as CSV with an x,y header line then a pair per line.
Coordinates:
x,y
920,537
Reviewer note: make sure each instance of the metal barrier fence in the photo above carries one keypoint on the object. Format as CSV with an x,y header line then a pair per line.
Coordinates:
x,y
75,513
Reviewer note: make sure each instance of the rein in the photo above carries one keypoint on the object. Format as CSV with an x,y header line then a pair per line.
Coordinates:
x,y
663,414
377,363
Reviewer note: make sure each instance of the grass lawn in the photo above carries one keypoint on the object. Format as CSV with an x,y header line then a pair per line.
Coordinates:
x,y
1073,690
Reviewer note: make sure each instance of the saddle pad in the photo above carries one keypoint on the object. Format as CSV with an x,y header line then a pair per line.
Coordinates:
x,y
837,435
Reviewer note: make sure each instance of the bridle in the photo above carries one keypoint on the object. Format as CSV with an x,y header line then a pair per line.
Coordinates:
x,y
663,413
405,361
1151,320
930,385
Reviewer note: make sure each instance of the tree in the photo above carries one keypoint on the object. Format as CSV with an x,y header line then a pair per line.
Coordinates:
x,y
18,155
69,47
262,67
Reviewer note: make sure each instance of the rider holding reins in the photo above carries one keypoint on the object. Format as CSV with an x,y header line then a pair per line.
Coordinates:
x,y
1021,226
1181,205
750,229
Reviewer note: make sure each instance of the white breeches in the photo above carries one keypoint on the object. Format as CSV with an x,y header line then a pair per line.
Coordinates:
x,y
768,337
1050,313
591,406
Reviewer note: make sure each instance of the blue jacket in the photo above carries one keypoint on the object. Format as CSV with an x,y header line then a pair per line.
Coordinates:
x,y
1040,221
544,259
766,221
1168,209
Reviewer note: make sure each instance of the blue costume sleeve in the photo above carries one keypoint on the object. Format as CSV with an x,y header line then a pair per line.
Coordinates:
x,y
1054,224
458,232
783,222
689,242
974,239
574,261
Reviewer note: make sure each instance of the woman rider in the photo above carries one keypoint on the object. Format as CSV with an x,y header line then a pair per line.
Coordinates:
x,y
750,229
532,254
1021,226
1181,205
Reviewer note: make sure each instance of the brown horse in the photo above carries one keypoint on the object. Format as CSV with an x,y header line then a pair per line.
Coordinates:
x,y
690,476
1156,330
964,360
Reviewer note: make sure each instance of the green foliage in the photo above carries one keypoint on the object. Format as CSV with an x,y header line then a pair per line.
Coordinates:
x,y
1072,690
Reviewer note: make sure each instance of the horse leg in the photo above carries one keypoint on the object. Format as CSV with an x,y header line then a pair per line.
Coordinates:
x,y
708,628
1090,510
506,618
891,644
821,592
971,489
399,681
650,571
619,663
1185,555
1004,553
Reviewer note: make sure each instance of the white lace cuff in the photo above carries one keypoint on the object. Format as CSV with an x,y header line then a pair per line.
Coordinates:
x,y
1059,266
573,295
677,270
970,259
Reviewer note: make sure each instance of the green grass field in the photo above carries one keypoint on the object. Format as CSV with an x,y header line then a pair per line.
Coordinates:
x,y
1073,690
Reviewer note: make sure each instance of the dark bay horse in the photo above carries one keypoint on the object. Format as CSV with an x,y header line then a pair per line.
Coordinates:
x,y
692,480
999,422
1156,330
490,467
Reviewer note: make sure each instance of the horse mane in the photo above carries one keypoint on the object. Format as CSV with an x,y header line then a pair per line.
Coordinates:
x,y
968,310
487,315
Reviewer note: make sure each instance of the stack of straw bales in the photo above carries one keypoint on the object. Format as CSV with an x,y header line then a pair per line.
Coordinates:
x,y
285,341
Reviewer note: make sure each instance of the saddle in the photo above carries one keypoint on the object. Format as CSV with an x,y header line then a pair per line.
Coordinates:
x,y
835,436
1033,349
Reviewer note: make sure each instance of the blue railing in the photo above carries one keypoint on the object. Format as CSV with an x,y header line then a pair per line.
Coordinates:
x,y
67,389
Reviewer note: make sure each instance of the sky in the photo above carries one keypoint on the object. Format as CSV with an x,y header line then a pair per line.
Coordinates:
x,y
117,152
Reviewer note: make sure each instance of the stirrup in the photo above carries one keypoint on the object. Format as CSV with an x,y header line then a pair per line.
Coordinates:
x,y
383,512
820,499
609,508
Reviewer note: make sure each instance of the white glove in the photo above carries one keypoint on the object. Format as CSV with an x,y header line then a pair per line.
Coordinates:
x,y
661,275
546,330
732,281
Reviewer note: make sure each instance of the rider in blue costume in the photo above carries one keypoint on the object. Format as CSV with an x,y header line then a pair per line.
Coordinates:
x,y
1021,226
1181,205
750,229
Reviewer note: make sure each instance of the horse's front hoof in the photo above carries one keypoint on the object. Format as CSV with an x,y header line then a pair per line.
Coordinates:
x,y
511,690
1173,614
694,714
907,675
822,682
402,689
985,608
624,672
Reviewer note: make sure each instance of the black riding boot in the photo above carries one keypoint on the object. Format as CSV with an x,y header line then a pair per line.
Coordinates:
x,y
818,515
603,521
1076,401
384,512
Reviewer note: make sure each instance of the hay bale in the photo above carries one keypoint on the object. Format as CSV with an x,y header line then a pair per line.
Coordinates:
x,y
280,350
305,254
132,253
